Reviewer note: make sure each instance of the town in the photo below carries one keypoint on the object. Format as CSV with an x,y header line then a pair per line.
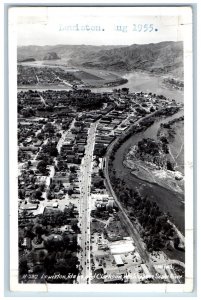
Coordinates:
x,y
70,221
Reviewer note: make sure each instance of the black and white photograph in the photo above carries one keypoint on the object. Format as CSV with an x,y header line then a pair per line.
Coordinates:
x,y
102,148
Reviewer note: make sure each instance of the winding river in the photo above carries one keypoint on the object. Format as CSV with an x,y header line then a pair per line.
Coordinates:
x,y
145,82
167,200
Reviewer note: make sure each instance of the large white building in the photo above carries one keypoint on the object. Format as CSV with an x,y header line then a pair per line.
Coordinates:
x,y
118,260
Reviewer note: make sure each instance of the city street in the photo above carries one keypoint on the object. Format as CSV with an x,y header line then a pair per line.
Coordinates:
x,y
84,239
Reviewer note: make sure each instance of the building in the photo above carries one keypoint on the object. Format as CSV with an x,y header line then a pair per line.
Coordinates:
x,y
29,206
121,246
118,260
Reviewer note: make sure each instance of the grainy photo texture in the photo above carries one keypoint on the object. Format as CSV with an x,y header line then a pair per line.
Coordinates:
x,y
100,133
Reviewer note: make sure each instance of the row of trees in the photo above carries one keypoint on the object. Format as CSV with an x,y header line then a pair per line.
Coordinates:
x,y
156,229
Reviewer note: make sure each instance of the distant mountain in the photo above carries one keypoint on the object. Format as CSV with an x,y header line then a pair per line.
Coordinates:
x,y
158,58
29,59
51,56
65,52
164,57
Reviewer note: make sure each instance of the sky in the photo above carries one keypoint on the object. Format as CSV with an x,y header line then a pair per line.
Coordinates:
x,y
99,26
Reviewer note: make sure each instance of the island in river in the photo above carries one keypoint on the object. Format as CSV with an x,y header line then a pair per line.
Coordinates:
x,y
156,160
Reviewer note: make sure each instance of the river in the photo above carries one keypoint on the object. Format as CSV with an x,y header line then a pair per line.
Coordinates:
x,y
167,200
145,82
137,81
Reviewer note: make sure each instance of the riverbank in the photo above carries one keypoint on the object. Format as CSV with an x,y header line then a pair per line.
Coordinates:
x,y
167,200
154,161
137,81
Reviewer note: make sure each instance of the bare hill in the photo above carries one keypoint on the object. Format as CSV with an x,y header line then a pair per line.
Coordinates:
x,y
164,57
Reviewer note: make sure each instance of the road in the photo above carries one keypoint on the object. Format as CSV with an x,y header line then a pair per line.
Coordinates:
x,y
128,224
84,239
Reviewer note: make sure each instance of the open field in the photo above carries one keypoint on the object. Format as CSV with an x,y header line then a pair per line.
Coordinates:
x,y
59,72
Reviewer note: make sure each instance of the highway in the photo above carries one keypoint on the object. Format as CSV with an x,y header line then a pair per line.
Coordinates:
x,y
84,238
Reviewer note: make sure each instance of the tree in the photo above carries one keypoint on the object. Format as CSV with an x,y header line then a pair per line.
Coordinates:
x,y
70,191
58,135
66,240
53,151
38,194
101,173
75,227
28,112
42,165
42,255
72,169
170,166
21,194
126,90
29,164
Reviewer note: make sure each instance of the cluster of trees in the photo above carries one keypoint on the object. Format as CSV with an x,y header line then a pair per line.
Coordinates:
x,y
23,156
156,229
42,167
57,257
61,165
141,111
176,83
82,99
148,146
98,182
58,218
164,141
100,213
50,149
45,158
27,112
66,124
49,128
61,262
54,188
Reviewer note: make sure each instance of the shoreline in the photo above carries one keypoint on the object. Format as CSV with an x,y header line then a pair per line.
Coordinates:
x,y
165,197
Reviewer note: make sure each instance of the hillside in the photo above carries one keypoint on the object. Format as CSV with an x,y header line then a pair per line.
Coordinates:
x,y
164,57
65,52
158,58
51,56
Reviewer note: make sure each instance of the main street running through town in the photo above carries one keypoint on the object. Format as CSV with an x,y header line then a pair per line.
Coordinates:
x,y
86,169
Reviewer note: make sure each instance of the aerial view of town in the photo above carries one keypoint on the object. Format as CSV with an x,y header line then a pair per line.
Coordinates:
x,y
101,164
